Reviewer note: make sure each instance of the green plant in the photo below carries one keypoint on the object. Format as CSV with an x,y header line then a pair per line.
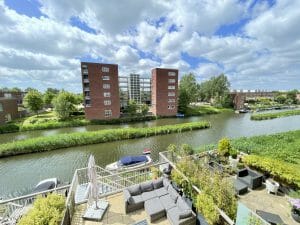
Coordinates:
x,y
45,211
33,100
224,147
205,204
281,171
155,173
92,137
294,194
254,220
186,149
233,153
64,104
268,116
9,128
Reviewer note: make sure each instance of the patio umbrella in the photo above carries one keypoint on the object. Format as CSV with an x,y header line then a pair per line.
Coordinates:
x,y
92,175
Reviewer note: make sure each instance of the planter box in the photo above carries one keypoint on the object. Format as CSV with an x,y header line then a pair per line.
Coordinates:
x,y
272,186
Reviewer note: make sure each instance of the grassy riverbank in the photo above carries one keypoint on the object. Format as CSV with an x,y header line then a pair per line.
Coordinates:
x,y
77,139
268,116
204,110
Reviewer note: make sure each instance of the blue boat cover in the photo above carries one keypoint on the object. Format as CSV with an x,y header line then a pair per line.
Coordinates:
x,y
128,160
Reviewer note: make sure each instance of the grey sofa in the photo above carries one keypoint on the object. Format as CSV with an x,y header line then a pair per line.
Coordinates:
x,y
252,179
159,199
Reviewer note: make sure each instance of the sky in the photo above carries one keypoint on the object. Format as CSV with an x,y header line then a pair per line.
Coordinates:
x,y
256,43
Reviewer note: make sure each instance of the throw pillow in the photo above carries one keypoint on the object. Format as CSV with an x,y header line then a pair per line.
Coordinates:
x,y
134,190
146,186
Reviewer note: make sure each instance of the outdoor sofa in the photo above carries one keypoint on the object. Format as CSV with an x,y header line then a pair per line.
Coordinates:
x,y
252,179
159,199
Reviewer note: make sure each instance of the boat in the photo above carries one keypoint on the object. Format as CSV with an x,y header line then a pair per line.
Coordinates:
x,y
180,115
243,111
130,162
147,151
47,184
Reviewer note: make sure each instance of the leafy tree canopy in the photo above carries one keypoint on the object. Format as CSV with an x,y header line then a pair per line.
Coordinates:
x,y
33,100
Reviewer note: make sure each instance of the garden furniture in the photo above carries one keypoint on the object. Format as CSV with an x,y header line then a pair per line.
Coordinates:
x,y
96,214
154,209
249,177
240,187
272,186
271,218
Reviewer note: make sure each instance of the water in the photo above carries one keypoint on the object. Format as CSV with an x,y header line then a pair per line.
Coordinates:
x,y
19,174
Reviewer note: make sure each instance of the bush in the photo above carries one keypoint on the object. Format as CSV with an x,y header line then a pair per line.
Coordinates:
x,y
205,204
93,137
45,211
281,171
268,116
224,147
9,128
187,150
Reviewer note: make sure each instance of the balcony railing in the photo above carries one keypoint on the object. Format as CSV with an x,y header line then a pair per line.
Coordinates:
x,y
86,81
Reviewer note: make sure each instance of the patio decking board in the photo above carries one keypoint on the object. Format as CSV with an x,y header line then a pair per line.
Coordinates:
x,y
115,214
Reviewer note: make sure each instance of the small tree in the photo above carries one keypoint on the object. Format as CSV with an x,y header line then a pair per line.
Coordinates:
x,y
64,104
33,100
132,108
224,147
144,109
183,101
206,206
48,98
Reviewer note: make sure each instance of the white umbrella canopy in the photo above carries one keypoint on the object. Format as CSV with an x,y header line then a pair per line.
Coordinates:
x,y
92,175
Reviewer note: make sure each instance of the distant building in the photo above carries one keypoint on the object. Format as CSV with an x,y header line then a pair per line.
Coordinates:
x,y
298,97
134,88
19,95
8,109
164,91
100,90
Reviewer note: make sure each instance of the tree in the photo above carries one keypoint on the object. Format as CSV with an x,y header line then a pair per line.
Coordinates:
x,y
144,109
48,98
30,89
281,99
188,83
132,108
16,89
224,147
33,100
292,96
183,101
64,104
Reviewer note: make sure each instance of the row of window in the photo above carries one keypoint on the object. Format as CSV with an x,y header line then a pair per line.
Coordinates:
x,y
171,74
171,100
106,102
172,87
171,94
171,81
171,106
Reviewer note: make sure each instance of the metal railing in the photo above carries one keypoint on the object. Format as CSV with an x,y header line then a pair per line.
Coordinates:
x,y
12,209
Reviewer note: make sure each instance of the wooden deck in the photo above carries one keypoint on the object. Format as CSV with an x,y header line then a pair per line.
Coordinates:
x,y
115,214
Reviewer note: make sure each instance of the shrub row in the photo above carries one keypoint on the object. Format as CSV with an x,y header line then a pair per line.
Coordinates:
x,y
94,137
54,124
9,128
284,172
268,116
123,120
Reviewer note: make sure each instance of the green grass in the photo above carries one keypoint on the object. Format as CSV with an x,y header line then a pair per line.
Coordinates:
x,y
204,110
268,116
48,143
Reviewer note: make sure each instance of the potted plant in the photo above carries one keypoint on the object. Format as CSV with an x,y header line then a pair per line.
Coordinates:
x,y
233,160
154,173
295,212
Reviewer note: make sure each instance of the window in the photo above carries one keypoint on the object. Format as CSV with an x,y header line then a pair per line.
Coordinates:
x,y
107,102
1,107
87,102
7,95
105,77
107,113
106,86
85,71
86,93
171,94
171,74
171,100
105,69
84,67
171,106
171,81
172,87
106,94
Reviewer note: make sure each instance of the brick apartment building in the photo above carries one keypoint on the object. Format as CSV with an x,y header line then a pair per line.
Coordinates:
x,y
19,95
8,109
164,91
100,90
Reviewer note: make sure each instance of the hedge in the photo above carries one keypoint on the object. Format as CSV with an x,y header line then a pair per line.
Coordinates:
x,y
48,143
284,172
9,128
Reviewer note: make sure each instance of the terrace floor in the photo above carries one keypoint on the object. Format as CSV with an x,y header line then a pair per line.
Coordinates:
x,y
277,204
115,214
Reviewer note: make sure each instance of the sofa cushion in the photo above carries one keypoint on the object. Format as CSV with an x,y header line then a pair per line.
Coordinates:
x,y
148,195
158,183
146,186
181,204
173,194
134,190
161,191
246,179
127,195
185,214
167,202
166,183
136,199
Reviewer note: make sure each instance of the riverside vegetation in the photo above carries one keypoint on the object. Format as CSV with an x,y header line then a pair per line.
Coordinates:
x,y
41,144
268,116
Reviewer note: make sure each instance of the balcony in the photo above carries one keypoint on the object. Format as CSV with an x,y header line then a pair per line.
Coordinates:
x,y
86,81
86,89
85,71
87,97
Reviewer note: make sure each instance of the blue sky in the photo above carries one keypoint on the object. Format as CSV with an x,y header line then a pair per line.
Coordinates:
x,y
255,43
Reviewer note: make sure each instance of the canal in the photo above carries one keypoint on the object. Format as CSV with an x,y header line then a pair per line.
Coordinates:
x,y
19,174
